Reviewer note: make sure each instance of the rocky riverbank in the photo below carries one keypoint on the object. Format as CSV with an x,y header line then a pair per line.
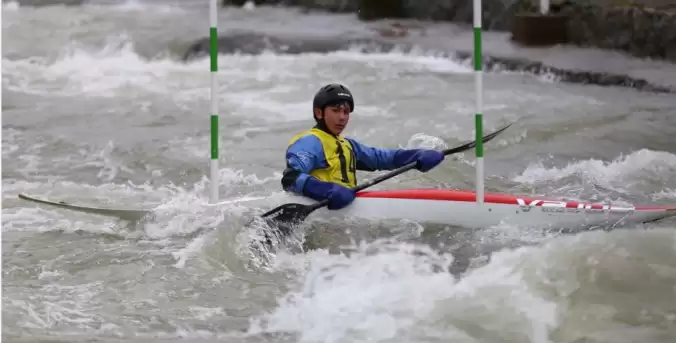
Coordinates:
x,y
643,29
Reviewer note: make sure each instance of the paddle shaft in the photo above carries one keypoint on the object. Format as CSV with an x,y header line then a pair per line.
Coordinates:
x,y
408,167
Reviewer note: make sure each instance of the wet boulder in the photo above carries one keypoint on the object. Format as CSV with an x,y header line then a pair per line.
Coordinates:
x,y
537,29
334,6
381,9
240,3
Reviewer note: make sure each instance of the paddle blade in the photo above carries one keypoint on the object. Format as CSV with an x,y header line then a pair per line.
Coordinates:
x,y
282,219
472,144
288,213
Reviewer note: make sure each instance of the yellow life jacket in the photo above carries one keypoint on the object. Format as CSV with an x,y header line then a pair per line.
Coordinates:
x,y
339,155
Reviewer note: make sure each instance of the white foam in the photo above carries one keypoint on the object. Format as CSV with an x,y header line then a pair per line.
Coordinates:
x,y
62,305
10,5
141,6
249,5
117,70
399,61
177,211
421,140
669,193
395,292
618,173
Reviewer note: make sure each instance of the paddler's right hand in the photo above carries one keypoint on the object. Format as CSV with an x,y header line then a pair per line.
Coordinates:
x,y
338,196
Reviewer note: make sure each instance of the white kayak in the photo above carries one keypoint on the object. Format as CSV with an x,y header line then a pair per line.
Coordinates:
x,y
459,208
445,207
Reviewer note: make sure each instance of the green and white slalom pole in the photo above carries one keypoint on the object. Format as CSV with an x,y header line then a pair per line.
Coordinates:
x,y
213,49
478,117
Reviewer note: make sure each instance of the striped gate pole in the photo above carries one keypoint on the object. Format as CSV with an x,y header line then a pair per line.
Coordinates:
x,y
213,53
478,117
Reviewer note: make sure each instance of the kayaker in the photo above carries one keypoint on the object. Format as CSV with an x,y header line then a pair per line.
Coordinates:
x,y
321,164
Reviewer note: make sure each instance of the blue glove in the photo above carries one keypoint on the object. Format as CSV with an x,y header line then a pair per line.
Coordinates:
x,y
428,159
339,196
425,159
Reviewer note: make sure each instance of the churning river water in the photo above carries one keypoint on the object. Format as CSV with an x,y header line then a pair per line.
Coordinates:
x,y
99,108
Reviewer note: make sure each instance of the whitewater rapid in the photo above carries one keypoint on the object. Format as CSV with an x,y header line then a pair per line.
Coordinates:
x,y
98,108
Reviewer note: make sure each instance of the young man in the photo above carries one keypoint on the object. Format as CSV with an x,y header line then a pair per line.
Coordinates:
x,y
321,164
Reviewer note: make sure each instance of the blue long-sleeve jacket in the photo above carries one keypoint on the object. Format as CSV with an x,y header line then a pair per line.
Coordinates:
x,y
307,154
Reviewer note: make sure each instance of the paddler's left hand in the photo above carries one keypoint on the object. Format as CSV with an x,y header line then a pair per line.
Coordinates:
x,y
428,159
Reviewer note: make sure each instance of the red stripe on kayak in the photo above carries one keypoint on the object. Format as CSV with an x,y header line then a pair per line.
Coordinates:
x,y
438,194
495,198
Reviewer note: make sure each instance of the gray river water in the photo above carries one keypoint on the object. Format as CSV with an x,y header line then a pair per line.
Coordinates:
x,y
98,108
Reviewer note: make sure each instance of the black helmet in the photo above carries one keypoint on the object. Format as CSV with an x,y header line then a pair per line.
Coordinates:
x,y
332,94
